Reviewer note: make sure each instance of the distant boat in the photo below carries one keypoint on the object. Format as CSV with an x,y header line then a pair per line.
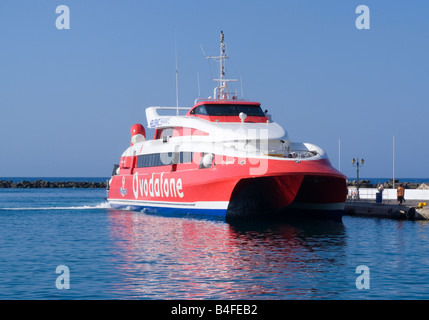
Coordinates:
x,y
225,157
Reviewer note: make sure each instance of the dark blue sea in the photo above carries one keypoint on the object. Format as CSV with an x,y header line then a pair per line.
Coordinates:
x,y
67,244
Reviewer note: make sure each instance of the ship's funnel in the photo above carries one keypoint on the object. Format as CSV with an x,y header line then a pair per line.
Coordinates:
x,y
138,133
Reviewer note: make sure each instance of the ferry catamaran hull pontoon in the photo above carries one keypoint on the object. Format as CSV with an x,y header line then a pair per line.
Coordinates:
x,y
224,158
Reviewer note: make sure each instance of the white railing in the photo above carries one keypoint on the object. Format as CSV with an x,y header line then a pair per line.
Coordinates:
x,y
390,194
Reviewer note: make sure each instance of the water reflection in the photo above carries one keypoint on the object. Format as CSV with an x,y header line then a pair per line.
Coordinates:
x,y
178,258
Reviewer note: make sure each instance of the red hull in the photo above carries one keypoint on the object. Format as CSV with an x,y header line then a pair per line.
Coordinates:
x,y
230,187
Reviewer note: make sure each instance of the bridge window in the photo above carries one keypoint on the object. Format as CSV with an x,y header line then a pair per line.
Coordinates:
x,y
228,110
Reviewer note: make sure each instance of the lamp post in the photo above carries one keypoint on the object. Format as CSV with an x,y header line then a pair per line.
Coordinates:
x,y
356,163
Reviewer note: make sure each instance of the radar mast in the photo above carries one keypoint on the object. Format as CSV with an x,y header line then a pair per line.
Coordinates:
x,y
221,92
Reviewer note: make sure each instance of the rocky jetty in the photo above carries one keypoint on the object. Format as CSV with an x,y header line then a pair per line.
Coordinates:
x,y
50,184
386,184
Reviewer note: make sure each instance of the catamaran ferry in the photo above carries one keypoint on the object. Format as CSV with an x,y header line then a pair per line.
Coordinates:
x,y
224,157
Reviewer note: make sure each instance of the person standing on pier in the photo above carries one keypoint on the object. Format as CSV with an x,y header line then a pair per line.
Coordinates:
x,y
400,194
379,195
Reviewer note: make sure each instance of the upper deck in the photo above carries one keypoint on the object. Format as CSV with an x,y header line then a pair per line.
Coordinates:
x,y
223,121
219,117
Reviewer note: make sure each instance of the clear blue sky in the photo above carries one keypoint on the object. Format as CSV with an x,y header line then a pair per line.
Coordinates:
x,y
69,97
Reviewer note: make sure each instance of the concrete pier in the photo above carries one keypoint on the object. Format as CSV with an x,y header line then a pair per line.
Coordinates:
x,y
369,208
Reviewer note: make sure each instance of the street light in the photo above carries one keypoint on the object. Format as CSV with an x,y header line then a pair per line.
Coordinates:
x,y
356,163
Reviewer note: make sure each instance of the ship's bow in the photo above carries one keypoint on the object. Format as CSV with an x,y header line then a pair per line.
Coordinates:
x,y
289,195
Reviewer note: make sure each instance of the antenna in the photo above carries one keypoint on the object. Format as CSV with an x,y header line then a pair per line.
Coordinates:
x,y
198,79
339,154
177,74
204,54
241,85
393,178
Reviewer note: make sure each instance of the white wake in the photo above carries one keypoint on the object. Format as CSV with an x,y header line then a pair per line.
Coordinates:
x,y
103,205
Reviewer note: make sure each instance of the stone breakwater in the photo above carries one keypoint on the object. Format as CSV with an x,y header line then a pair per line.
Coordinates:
x,y
50,184
388,184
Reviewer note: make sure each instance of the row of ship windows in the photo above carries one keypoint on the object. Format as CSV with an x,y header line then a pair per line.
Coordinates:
x,y
163,159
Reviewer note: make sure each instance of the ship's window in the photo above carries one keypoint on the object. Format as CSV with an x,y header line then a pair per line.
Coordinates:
x,y
251,110
200,110
163,159
167,132
229,110
222,110
185,157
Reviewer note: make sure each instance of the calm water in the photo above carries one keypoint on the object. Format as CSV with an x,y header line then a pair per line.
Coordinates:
x,y
115,254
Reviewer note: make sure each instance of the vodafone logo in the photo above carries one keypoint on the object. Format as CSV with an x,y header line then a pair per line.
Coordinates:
x,y
122,190
157,186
